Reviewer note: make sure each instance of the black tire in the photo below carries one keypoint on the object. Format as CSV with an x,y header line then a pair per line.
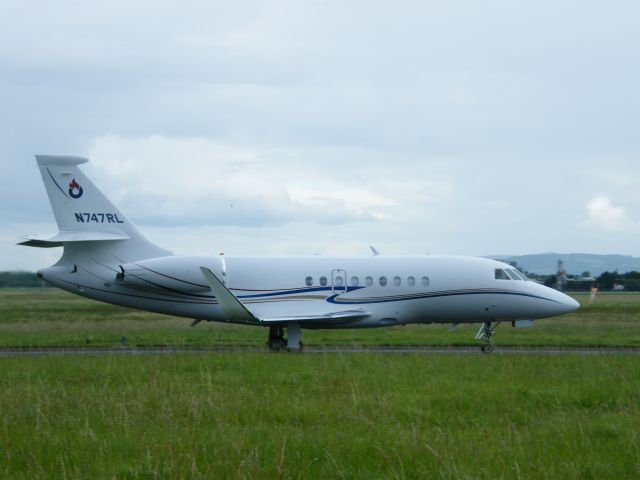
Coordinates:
x,y
278,345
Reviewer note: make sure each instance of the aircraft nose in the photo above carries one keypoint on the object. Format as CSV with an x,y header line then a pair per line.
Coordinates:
x,y
569,304
561,303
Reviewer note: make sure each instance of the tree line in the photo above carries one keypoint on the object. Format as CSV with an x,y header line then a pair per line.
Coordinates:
x,y
605,281
19,279
630,280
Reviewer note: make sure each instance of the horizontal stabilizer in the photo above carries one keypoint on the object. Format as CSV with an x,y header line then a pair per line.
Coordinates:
x,y
58,240
60,160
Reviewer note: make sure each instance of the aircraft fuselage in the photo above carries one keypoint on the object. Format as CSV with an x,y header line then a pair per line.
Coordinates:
x,y
394,290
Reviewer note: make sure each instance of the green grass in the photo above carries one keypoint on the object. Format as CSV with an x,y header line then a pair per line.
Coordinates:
x,y
320,416
261,415
53,318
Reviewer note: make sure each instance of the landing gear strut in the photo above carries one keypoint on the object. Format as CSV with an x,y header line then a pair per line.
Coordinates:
x,y
485,335
277,342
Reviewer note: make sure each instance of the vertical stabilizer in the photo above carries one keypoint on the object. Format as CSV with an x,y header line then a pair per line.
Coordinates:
x,y
85,217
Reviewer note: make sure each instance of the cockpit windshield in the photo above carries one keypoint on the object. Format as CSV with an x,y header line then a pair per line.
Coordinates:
x,y
510,274
520,274
513,275
501,274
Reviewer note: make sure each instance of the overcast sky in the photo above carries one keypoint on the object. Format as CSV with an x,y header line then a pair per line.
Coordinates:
x,y
271,127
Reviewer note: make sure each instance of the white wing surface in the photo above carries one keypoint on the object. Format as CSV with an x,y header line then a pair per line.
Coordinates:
x,y
235,310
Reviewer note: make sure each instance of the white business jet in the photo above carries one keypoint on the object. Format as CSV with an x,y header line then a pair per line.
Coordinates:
x,y
106,258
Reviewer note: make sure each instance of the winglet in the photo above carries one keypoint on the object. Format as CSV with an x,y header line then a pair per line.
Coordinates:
x,y
232,307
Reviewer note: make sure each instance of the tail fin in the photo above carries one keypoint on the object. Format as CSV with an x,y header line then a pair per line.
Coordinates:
x,y
84,214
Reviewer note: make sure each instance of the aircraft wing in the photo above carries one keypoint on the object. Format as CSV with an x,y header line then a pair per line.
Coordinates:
x,y
343,316
235,310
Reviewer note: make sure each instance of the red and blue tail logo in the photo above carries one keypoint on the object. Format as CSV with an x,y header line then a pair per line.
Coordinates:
x,y
75,190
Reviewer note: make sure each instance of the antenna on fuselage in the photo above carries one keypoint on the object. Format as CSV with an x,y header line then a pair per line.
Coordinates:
x,y
374,251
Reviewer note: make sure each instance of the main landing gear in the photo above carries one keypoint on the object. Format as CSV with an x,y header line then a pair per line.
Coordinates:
x,y
277,342
276,339
485,335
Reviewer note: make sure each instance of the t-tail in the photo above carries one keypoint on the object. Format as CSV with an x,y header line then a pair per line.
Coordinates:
x,y
91,228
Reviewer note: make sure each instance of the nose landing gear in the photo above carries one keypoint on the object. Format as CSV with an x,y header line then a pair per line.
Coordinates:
x,y
485,335
486,348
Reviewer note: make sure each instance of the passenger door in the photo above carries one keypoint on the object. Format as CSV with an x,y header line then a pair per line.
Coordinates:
x,y
338,281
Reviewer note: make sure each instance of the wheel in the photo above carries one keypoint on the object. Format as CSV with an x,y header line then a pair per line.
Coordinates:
x,y
278,344
486,348
276,341
296,350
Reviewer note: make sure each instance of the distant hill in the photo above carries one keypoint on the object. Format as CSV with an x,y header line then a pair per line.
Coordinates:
x,y
574,263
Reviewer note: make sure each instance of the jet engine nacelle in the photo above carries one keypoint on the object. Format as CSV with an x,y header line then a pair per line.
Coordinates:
x,y
168,273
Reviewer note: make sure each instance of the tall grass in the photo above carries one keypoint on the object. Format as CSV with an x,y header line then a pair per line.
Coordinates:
x,y
320,416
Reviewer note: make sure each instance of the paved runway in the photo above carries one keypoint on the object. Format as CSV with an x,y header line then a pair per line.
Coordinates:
x,y
399,350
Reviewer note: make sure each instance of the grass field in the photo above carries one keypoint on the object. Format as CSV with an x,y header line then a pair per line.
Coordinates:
x,y
265,415
260,415
53,318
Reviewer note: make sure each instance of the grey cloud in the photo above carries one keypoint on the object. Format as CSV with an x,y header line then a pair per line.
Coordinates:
x,y
511,106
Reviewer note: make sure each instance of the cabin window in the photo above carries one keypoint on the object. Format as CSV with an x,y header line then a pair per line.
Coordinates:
x,y
323,281
501,275
368,281
383,281
338,281
308,281
425,281
355,281
411,281
396,281
513,275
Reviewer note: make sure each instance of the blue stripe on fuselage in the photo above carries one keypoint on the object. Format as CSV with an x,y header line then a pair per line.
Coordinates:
x,y
295,291
336,298
332,299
